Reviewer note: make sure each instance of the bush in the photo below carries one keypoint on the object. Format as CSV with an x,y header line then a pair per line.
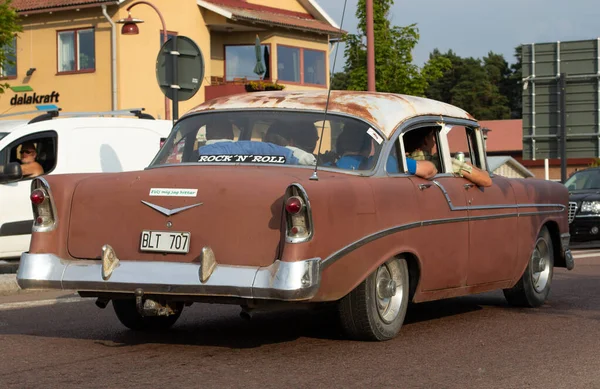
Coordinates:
x,y
259,86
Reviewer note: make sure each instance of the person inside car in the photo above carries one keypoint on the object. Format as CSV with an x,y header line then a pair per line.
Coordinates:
x,y
298,138
419,146
29,166
219,130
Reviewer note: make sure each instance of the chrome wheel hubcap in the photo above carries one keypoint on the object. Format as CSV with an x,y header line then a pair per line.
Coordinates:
x,y
388,284
540,265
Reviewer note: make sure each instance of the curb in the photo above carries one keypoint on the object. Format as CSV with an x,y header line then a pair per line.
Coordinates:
x,y
8,284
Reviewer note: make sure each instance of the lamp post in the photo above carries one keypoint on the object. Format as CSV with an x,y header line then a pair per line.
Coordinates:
x,y
130,28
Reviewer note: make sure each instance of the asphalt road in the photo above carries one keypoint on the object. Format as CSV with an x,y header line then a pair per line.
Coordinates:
x,y
51,340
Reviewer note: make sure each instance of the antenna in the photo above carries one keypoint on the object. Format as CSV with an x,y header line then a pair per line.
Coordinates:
x,y
314,176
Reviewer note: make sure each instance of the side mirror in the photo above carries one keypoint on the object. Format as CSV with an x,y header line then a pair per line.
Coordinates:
x,y
11,172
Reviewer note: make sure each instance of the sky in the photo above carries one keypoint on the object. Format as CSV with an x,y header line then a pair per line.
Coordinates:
x,y
473,28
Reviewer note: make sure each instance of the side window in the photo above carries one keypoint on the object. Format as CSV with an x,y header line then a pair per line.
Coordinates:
x,y
463,140
35,149
422,143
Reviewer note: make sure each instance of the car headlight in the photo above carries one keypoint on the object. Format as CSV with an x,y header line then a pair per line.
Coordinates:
x,y
590,206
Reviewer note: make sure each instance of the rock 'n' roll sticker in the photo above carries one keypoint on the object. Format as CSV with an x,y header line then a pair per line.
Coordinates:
x,y
375,135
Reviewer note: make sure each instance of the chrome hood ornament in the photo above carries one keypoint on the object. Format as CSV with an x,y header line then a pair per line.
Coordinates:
x,y
169,212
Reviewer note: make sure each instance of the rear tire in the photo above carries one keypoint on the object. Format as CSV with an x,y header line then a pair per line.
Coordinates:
x,y
128,315
370,311
534,286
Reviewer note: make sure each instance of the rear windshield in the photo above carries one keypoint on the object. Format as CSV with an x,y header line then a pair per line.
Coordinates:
x,y
3,134
272,138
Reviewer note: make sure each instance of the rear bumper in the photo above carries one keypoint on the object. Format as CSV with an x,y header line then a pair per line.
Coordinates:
x,y
287,281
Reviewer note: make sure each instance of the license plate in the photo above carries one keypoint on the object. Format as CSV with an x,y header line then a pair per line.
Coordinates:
x,y
165,241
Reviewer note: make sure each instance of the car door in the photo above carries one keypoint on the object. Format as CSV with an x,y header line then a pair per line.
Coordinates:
x,y
444,255
16,217
492,214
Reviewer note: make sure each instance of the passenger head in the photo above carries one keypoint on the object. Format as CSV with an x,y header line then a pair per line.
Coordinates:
x,y
28,152
420,139
302,135
219,128
305,136
353,140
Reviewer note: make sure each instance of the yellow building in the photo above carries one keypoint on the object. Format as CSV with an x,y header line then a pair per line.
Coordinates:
x,y
72,53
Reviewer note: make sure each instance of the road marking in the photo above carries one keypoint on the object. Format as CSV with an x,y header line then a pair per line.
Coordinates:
x,y
38,303
586,255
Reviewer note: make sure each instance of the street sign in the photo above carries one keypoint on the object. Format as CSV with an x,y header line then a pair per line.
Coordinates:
x,y
179,70
543,96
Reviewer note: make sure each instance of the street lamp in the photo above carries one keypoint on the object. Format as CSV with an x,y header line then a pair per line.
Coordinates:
x,y
130,28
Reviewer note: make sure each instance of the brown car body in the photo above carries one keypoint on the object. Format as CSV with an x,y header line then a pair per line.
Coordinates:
x,y
456,238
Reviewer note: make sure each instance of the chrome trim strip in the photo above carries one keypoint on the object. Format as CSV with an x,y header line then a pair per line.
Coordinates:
x,y
493,206
330,260
586,216
169,212
289,281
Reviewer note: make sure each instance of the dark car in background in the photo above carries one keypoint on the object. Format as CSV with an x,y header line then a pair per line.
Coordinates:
x,y
584,207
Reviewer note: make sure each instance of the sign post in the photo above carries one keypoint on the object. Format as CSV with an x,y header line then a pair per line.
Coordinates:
x,y
563,127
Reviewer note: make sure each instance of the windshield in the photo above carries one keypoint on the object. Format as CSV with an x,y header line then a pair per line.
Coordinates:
x,y
584,180
273,138
3,134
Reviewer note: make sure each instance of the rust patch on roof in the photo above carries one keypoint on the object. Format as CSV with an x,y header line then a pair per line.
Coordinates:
x,y
385,111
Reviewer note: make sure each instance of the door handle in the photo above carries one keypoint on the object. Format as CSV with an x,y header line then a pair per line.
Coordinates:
x,y
468,186
424,186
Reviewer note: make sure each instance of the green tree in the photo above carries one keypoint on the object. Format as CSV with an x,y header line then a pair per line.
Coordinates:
x,y
339,81
394,70
478,86
515,86
9,26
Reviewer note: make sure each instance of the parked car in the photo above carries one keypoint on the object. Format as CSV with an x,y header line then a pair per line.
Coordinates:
x,y
263,199
584,207
69,144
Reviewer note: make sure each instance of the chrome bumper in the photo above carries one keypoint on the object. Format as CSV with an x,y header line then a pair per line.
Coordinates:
x,y
288,281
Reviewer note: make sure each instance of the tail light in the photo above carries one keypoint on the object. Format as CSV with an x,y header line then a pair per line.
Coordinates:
x,y
44,211
298,215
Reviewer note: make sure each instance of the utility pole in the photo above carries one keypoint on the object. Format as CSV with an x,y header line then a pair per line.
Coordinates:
x,y
370,48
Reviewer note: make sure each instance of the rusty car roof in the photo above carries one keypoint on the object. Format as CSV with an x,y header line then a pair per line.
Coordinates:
x,y
384,110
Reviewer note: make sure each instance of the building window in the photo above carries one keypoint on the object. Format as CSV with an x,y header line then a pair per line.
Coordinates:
x,y
8,69
240,61
76,51
302,66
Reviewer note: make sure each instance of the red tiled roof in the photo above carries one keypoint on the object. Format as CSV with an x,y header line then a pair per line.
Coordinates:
x,y
504,135
32,5
244,11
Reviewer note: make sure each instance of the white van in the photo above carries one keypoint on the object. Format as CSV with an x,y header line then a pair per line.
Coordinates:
x,y
87,144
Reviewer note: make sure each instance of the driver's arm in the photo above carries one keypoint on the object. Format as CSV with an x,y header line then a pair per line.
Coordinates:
x,y
32,169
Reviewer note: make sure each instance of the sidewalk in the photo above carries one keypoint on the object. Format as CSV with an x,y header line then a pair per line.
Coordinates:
x,y
8,284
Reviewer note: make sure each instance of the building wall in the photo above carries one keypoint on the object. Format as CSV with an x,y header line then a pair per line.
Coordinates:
x,y
37,48
136,54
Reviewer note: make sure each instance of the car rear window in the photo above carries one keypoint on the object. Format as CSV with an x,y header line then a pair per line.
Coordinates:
x,y
272,138
3,134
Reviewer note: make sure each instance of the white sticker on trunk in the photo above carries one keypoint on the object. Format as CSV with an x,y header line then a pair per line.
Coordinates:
x,y
375,135
173,192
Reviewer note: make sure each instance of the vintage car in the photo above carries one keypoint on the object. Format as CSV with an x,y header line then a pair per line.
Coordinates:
x,y
584,208
298,199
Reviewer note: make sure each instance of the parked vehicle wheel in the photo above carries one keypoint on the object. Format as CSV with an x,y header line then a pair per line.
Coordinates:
x,y
376,308
128,315
534,285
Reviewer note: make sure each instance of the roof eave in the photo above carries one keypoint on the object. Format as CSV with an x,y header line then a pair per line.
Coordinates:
x,y
289,26
34,11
